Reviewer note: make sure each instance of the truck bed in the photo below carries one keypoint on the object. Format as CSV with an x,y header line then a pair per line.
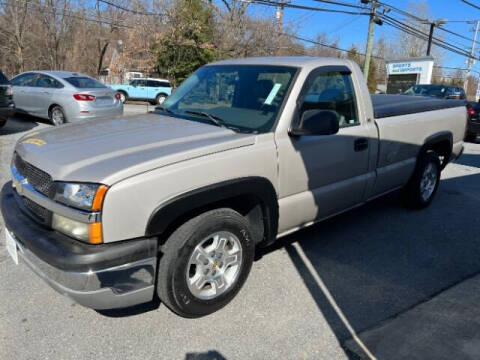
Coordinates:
x,y
395,105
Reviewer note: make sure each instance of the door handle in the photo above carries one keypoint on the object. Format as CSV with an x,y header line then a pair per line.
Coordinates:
x,y
361,144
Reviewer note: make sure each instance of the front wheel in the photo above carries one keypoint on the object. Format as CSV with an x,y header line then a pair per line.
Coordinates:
x,y
57,116
205,262
423,185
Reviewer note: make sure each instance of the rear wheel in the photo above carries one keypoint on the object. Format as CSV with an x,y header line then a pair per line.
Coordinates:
x,y
205,263
423,185
123,96
57,116
160,99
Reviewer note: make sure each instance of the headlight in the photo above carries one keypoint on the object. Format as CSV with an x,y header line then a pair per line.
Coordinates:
x,y
81,196
91,233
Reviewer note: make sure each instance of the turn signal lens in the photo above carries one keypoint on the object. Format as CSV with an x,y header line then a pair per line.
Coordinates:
x,y
99,196
95,233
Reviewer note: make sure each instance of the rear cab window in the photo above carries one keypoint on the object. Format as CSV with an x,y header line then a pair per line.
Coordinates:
x,y
84,82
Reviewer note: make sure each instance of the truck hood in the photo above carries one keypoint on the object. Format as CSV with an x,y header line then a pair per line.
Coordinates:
x,y
110,150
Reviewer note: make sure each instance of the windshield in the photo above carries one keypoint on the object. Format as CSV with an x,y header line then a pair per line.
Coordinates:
x,y
83,82
435,91
243,97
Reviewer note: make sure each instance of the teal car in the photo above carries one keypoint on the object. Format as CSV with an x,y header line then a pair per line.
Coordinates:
x,y
154,91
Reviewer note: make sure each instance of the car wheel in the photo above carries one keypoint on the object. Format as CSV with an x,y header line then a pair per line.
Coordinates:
x,y
160,99
123,97
205,262
423,185
57,116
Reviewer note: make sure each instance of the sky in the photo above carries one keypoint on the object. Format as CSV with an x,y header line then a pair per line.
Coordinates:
x,y
352,29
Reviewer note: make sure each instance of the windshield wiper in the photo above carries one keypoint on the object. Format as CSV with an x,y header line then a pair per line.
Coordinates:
x,y
214,119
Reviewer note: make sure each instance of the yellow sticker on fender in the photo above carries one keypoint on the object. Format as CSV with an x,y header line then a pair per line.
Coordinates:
x,y
38,142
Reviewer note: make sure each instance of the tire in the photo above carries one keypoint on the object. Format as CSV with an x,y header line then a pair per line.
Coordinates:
x,y
178,270
423,185
123,96
160,99
470,137
57,116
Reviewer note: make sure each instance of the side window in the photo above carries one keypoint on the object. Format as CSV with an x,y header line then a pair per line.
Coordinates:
x,y
134,83
45,81
164,84
332,91
24,79
141,82
153,83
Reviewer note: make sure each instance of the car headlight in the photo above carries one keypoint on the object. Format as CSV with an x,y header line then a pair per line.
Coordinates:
x,y
81,195
90,233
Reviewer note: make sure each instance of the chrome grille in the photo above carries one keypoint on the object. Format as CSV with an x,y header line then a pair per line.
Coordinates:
x,y
40,212
40,180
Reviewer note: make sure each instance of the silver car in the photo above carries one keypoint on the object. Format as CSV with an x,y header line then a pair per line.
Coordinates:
x,y
62,96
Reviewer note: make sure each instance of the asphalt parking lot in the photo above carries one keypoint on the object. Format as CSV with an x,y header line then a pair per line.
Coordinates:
x,y
305,297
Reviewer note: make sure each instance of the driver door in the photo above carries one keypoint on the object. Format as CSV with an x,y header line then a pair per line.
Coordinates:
x,y
321,175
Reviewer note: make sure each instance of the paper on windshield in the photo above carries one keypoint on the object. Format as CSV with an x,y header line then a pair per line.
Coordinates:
x,y
273,93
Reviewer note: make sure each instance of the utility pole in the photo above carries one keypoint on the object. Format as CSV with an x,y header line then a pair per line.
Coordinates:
x,y
430,38
432,28
279,16
471,58
368,52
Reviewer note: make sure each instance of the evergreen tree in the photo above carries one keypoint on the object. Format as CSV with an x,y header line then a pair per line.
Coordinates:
x,y
188,44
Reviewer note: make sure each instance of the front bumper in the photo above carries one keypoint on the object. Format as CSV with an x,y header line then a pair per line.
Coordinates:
x,y
103,276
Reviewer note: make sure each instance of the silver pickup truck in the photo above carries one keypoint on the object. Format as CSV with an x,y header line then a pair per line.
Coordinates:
x,y
173,204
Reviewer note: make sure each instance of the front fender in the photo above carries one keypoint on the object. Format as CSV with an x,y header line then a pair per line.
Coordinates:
x,y
175,208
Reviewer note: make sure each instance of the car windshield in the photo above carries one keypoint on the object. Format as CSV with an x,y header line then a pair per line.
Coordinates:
x,y
430,90
241,97
84,82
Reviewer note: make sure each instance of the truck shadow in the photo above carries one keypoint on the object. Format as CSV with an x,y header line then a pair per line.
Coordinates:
x,y
370,264
132,310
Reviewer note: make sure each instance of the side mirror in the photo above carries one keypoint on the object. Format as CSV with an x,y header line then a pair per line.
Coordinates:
x,y
317,122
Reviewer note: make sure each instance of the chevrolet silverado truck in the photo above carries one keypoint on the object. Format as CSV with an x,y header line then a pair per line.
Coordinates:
x,y
174,203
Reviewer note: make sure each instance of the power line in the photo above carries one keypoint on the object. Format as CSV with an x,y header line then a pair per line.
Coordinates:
x,y
339,3
74,16
424,35
469,3
325,45
456,34
301,7
131,10
406,13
